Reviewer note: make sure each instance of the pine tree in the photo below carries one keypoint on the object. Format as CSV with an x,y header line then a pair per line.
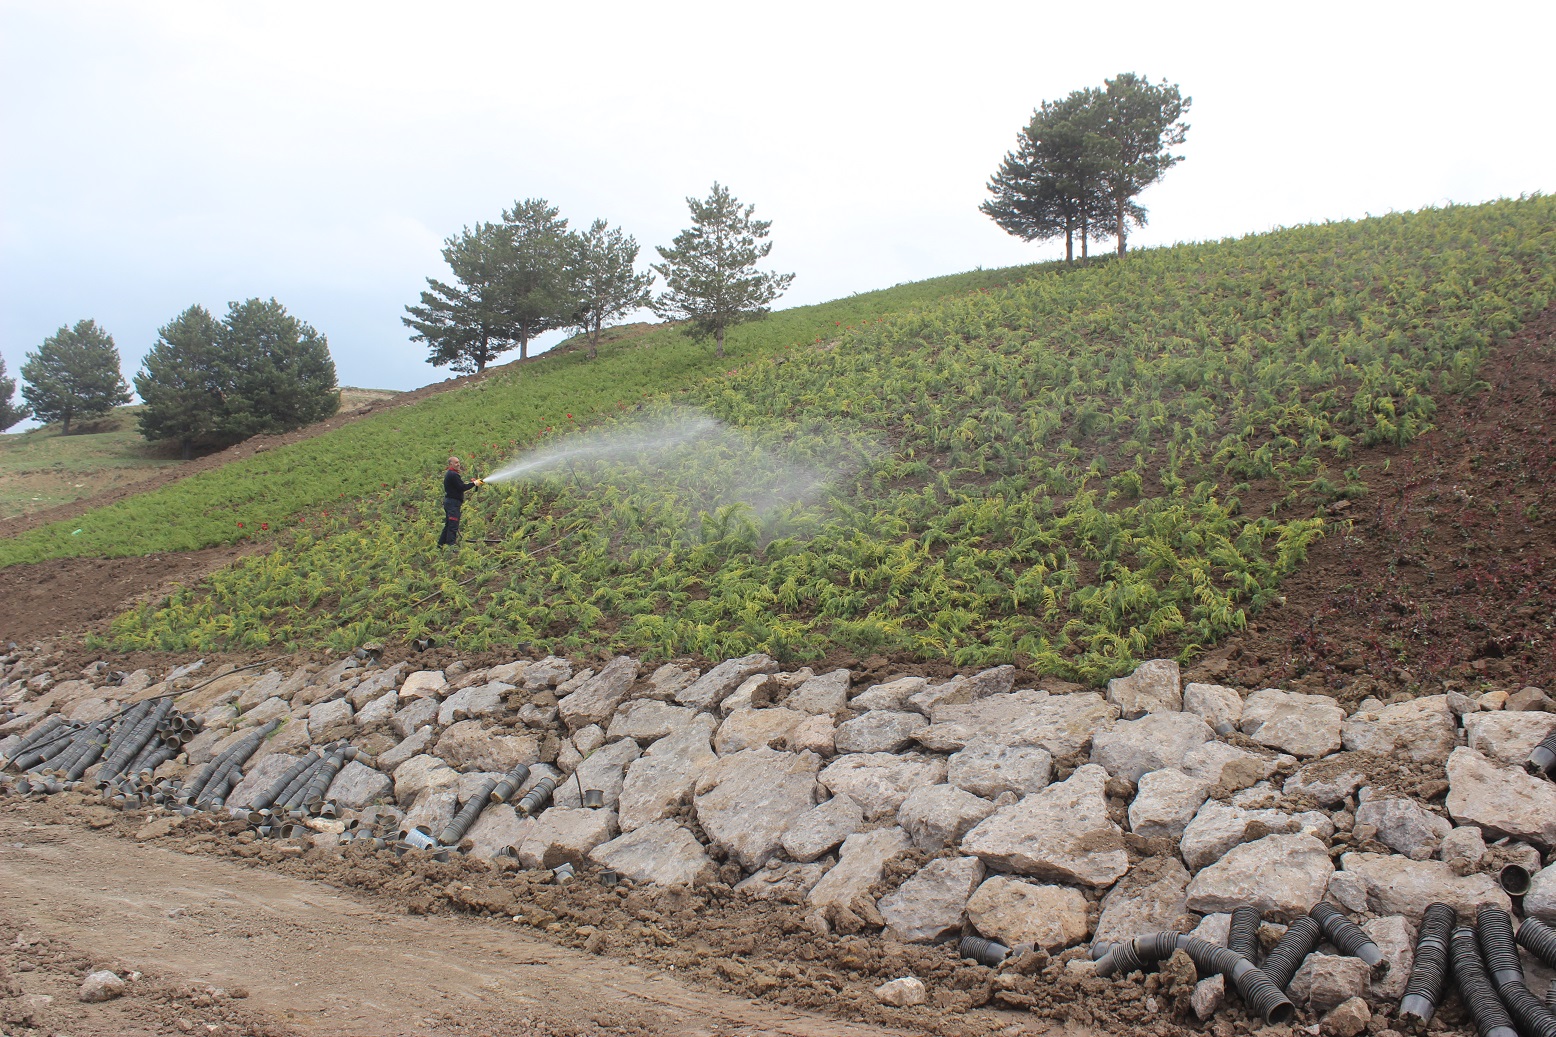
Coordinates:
x,y
711,280
184,381
74,374
604,280
1139,122
10,414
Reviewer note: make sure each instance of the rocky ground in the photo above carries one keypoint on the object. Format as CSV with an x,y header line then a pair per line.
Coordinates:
x,y
810,839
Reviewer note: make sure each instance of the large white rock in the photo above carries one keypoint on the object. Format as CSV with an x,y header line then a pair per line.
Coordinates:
x,y
1218,827
1012,911
1217,706
961,690
424,684
1507,736
1326,980
1281,875
824,693
1062,724
1396,939
661,779
414,715
469,746
846,887
988,769
744,697
937,816
878,731
421,773
823,828
1501,799
879,782
547,673
377,711
595,701
1540,901
1062,833
328,714
1405,826
1396,885
1166,802
482,700
892,695
745,802
262,774
931,905
1152,898
357,786
499,827
663,853
746,728
266,711
782,881
1302,725
376,685
1137,747
1326,783
565,835
1230,767
647,720
712,687
1421,730
604,769
432,809
1153,688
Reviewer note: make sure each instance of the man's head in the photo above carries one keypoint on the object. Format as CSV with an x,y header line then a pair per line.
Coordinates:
x,y
454,465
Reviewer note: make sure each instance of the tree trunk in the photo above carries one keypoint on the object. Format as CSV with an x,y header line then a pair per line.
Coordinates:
x,y
718,337
65,430
1120,204
523,345
1085,239
1069,239
185,447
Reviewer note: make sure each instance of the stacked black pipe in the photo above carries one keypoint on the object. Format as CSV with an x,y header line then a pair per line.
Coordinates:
x,y
279,787
1261,996
455,830
214,780
1475,989
1496,940
1429,972
51,723
1301,938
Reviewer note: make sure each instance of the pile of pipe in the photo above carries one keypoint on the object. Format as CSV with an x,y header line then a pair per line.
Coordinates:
x,y
126,747
1486,969
1262,985
285,808
492,790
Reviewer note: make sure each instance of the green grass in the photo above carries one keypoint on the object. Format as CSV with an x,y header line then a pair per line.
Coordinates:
x,y
1060,472
407,446
41,468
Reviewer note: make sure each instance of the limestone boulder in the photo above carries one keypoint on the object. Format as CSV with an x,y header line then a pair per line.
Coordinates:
x,y
1231,768
375,685
893,695
549,672
1152,898
1062,833
712,687
930,906
1218,827
1325,783
661,780
1326,980
424,684
1165,802
596,700
565,835
483,700
664,682
1154,687
825,693
1464,844
814,735
266,711
647,720
861,862
377,711
1397,885
987,769
421,773
1302,725
469,746
263,687
745,696
499,827
1405,826
1062,724
357,786
1013,911
1507,736
878,731
1218,706
747,728
662,852
937,816
1281,875
747,801
822,829
1421,730
879,782
432,809
1396,939
782,881
414,715
1501,799
414,744
1136,747
604,769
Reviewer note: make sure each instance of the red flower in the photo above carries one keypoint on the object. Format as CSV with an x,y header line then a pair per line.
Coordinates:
x,y
240,525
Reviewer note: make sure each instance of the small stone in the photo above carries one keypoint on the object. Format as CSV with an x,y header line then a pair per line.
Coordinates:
x,y
902,993
1463,843
1348,1019
1327,980
101,986
1207,997
1396,939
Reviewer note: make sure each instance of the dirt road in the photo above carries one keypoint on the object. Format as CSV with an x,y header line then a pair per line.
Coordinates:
x,y
307,959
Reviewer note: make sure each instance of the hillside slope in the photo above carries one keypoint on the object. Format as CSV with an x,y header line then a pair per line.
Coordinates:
x,y
1072,472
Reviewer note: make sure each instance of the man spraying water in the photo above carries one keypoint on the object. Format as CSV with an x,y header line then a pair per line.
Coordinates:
x,y
454,490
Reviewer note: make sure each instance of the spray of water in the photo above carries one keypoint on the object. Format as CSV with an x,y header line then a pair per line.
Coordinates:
x,y
637,442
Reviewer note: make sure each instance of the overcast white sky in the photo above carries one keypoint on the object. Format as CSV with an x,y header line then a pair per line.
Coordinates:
x,y
156,155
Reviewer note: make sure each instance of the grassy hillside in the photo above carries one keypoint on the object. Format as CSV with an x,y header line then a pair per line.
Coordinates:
x,y
1073,471
41,468
305,481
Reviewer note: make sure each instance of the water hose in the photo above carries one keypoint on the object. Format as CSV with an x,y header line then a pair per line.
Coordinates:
x,y
1347,936
1302,937
1242,936
1475,989
1429,971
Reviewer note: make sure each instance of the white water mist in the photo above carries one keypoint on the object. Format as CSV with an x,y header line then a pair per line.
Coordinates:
x,y
635,443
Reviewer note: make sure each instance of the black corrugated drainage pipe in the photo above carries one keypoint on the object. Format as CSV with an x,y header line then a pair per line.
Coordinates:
x,y
535,799
1507,973
1242,936
455,830
1261,996
1346,935
984,952
1302,936
1542,758
1491,1018
1538,939
510,784
269,796
1429,972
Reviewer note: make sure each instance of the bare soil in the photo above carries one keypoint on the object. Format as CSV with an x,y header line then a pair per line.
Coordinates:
x,y
235,938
